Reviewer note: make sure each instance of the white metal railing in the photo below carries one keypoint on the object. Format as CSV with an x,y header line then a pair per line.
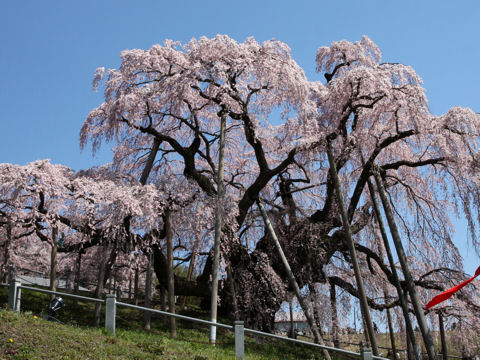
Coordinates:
x,y
111,304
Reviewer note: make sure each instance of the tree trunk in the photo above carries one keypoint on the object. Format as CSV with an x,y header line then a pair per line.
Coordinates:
x,y
171,279
365,331
6,252
269,228
291,332
218,229
316,309
403,300
149,164
115,283
147,315
333,304
392,335
410,351
109,266
354,318
100,283
190,270
442,336
53,262
163,299
130,286
233,292
358,276
417,306
76,284
135,286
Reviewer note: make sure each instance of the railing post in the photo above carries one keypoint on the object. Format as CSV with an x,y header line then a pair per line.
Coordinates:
x,y
14,294
110,313
239,340
367,354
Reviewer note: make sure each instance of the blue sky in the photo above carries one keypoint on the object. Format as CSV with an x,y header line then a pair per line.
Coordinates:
x,y
50,49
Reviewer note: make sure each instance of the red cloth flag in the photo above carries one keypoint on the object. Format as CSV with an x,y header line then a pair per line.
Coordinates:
x,y
446,294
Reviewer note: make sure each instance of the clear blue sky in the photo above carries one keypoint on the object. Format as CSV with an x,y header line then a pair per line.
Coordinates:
x,y
50,49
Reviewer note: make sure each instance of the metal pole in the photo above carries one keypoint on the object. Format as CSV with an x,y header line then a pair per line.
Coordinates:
x,y
239,340
110,313
14,295
367,354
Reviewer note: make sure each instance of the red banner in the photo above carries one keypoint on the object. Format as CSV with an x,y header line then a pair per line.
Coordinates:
x,y
446,294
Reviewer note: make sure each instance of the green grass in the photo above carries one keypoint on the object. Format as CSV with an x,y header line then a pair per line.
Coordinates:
x,y
78,339
35,338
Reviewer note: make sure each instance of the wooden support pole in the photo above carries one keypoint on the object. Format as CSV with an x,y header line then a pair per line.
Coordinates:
x,y
348,233
417,306
171,275
388,250
218,227
293,282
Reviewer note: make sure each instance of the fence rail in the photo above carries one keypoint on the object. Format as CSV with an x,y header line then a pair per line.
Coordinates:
x,y
178,316
329,348
62,293
110,316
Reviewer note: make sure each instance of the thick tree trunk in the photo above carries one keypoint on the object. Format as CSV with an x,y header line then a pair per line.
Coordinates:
x,y
269,228
100,283
233,292
218,229
171,279
53,261
417,306
316,309
358,276
163,299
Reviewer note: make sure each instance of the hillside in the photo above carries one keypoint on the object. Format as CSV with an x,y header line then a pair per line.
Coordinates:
x,y
26,336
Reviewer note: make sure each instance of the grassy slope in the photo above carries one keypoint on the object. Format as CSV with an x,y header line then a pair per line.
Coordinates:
x,y
34,338
39,339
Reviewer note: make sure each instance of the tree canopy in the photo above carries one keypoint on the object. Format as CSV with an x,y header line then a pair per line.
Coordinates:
x,y
375,114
